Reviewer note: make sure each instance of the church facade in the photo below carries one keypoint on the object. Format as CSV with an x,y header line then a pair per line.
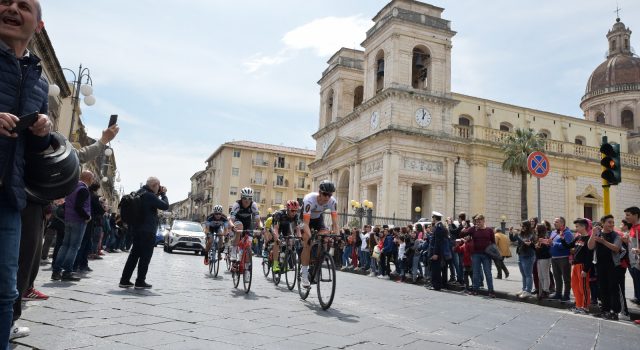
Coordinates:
x,y
391,130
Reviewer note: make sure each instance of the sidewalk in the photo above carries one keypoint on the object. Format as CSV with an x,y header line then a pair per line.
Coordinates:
x,y
507,288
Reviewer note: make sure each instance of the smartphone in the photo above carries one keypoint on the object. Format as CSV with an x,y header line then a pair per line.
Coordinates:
x,y
25,122
113,120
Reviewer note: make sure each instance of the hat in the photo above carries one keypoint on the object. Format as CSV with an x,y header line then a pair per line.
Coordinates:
x,y
435,213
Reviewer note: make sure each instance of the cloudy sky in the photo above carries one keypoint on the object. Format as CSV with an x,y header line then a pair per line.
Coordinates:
x,y
186,76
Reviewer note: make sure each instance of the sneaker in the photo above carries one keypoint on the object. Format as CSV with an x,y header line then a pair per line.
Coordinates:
x,y
126,284
492,295
85,269
610,316
34,294
556,297
356,269
524,295
56,276
101,253
344,268
372,274
519,293
70,276
623,317
305,282
506,274
380,276
18,332
142,285
276,267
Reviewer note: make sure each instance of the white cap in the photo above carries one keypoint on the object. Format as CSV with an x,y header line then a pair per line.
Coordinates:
x,y
435,213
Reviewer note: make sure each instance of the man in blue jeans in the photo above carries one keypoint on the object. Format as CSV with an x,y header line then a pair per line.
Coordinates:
x,y
77,212
23,90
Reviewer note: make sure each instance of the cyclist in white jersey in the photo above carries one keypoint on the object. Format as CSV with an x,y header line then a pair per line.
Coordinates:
x,y
313,205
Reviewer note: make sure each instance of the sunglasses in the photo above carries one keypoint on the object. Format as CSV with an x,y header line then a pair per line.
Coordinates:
x,y
326,194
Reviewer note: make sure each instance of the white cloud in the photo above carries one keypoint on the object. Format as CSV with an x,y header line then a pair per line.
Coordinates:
x,y
327,35
324,36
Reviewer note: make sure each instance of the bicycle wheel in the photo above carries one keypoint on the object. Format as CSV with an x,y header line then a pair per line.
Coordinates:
x,y
216,265
265,267
235,274
304,292
227,260
276,275
290,268
248,270
211,256
326,280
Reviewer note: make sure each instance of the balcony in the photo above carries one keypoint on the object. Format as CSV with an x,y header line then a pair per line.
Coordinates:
x,y
260,163
277,165
259,182
552,147
302,187
284,183
302,169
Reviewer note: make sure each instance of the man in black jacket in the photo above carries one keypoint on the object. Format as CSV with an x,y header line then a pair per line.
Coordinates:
x,y
154,198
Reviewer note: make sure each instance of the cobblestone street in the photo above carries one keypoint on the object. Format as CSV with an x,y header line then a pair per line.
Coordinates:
x,y
187,309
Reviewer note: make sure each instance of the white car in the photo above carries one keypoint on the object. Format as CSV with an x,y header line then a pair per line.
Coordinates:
x,y
185,235
424,222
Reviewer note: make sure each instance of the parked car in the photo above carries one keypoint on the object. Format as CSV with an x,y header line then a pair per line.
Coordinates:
x,y
425,222
160,234
185,235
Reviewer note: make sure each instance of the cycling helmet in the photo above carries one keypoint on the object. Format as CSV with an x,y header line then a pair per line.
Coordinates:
x,y
246,192
327,186
52,173
217,209
293,205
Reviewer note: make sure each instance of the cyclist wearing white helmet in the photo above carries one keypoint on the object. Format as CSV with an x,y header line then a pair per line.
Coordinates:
x,y
313,205
216,222
246,211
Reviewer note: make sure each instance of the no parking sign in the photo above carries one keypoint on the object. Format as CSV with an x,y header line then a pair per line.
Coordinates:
x,y
538,164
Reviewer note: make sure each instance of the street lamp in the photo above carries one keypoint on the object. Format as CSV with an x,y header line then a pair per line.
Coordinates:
x,y
503,223
361,208
82,84
418,210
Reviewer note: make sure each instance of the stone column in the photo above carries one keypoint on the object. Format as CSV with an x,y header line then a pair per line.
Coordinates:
x,y
351,191
571,203
477,186
449,174
389,185
356,182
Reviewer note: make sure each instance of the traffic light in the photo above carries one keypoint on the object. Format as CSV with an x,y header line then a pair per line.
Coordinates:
x,y
611,167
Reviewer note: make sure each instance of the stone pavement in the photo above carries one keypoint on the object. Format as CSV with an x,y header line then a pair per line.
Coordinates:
x,y
187,309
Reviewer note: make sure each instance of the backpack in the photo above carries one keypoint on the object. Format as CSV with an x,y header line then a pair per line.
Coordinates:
x,y
131,208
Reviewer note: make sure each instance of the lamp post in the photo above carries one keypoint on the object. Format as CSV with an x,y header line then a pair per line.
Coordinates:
x,y
503,223
361,208
81,84
418,210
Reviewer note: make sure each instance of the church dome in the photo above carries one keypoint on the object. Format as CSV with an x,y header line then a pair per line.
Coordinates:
x,y
621,70
617,70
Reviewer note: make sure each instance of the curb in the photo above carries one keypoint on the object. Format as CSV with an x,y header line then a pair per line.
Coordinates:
x,y
634,313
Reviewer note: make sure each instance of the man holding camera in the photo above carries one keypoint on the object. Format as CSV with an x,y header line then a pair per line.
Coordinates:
x,y
24,90
154,198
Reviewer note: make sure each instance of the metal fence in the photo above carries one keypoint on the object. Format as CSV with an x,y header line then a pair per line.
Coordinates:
x,y
354,220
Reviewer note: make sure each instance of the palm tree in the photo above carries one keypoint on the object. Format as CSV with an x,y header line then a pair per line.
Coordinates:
x,y
517,147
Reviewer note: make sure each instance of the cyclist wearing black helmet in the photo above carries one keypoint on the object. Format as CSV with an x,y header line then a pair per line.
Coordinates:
x,y
216,223
313,205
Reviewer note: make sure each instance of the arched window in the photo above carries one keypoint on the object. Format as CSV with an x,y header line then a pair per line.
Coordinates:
x,y
379,71
504,126
600,118
626,118
580,140
420,68
544,133
329,108
464,120
357,96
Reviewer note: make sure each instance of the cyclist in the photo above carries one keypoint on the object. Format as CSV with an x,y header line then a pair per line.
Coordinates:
x,y
246,211
217,222
314,204
284,221
267,235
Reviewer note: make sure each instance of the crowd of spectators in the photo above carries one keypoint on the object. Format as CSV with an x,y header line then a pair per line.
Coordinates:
x,y
584,267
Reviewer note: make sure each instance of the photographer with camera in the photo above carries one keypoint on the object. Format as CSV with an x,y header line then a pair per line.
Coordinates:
x,y
154,198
